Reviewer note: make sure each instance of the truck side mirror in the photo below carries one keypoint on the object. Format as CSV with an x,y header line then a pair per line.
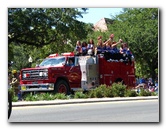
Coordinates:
x,y
37,65
63,64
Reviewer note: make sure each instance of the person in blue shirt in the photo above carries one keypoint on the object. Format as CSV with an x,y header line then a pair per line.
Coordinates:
x,y
84,48
71,63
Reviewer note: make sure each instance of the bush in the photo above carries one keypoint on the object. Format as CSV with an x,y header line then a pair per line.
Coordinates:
x,y
12,92
144,92
118,89
91,94
131,93
60,96
79,94
46,96
31,97
154,94
100,92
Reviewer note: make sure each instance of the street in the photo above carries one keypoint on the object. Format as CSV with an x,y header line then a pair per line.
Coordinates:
x,y
126,111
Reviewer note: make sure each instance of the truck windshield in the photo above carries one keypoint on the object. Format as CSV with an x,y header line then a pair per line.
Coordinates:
x,y
53,61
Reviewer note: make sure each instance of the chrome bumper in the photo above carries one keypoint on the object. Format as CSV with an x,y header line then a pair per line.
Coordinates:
x,y
36,87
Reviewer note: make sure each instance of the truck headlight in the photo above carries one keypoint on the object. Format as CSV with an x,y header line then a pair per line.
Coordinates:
x,y
43,74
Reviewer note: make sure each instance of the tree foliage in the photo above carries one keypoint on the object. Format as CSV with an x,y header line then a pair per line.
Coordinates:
x,y
139,28
46,30
43,26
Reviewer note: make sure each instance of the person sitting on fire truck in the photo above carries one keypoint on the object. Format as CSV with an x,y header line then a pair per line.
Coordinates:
x,y
124,49
99,47
111,50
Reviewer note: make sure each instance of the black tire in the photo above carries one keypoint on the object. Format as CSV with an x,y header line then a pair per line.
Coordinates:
x,y
119,80
9,105
61,87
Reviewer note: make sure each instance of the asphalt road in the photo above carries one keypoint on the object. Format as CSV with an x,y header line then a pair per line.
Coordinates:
x,y
122,111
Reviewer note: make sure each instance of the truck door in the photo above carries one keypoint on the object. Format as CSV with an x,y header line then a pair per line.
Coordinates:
x,y
73,73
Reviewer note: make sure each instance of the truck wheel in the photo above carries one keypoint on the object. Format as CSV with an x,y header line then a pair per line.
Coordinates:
x,y
119,80
61,87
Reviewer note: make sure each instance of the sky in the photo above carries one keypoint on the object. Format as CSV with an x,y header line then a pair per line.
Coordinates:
x,y
95,14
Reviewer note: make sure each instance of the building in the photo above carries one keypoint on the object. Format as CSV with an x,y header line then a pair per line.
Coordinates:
x,y
102,24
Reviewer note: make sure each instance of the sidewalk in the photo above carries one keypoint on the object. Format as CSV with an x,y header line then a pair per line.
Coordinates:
x,y
74,101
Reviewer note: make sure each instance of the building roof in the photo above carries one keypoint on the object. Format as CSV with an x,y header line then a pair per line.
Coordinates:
x,y
102,24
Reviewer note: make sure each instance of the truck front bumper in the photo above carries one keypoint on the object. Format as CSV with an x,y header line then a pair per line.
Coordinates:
x,y
37,87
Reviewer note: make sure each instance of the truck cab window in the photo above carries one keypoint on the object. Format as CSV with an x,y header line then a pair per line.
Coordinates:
x,y
70,61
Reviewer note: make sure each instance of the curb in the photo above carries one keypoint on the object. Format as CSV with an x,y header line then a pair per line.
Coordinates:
x,y
75,101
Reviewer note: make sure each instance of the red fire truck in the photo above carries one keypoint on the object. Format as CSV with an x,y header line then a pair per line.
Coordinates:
x,y
56,74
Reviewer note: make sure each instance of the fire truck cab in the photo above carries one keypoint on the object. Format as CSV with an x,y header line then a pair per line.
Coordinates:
x,y
56,74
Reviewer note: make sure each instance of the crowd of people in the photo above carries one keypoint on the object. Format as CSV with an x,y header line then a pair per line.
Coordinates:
x,y
108,48
147,84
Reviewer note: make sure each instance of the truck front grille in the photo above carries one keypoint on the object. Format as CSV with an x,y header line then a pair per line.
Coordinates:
x,y
37,74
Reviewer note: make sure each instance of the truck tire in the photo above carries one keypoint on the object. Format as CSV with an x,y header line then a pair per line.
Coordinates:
x,y
119,80
61,87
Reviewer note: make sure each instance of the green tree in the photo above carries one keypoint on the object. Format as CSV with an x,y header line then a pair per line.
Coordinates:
x,y
139,28
43,26
41,31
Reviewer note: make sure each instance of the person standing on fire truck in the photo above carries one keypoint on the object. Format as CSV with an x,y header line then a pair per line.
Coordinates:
x,y
90,46
78,48
109,41
111,50
84,49
99,48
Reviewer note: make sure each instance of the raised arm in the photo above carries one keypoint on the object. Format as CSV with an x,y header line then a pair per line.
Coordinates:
x,y
120,41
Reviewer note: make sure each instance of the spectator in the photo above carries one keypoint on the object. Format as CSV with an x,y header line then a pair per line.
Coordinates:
x,y
142,83
15,82
156,86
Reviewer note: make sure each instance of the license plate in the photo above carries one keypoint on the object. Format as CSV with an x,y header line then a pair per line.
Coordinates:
x,y
34,82
23,88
